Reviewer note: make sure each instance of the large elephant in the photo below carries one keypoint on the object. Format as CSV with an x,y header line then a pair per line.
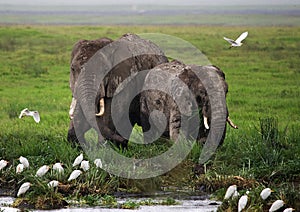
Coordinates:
x,y
98,68
182,95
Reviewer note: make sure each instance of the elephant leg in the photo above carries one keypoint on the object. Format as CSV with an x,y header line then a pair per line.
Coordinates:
x,y
174,125
107,127
77,136
114,137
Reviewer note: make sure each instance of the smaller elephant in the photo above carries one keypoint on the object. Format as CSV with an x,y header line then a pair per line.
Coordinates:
x,y
173,92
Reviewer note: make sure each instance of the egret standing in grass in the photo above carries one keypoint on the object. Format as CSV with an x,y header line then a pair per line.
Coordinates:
x,y
78,160
53,184
98,163
276,205
58,167
85,165
24,187
265,193
42,171
230,191
238,41
24,161
74,175
19,168
235,194
289,210
3,163
243,202
34,114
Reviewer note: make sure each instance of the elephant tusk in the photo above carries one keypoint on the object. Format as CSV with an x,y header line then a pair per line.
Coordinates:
x,y
72,108
102,106
205,122
231,123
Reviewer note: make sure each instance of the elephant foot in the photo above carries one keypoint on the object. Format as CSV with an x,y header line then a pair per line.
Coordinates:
x,y
120,142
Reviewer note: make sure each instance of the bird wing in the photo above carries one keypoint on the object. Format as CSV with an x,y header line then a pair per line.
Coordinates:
x,y
242,37
23,113
229,40
36,116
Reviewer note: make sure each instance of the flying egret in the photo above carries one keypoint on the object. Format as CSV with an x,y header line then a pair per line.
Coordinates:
x,y
58,167
238,41
230,191
34,114
3,163
78,160
19,168
85,165
264,194
42,171
243,202
276,205
74,175
289,210
98,163
24,187
24,161
53,184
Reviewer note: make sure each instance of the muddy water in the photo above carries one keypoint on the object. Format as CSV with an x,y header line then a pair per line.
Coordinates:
x,y
184,205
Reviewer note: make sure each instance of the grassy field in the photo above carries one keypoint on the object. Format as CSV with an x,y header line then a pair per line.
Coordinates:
x,y
263,100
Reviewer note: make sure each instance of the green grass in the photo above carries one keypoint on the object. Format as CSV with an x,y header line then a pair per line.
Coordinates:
x,y
263,77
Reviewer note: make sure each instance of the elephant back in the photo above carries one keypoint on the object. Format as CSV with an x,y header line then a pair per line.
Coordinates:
x,y
129,55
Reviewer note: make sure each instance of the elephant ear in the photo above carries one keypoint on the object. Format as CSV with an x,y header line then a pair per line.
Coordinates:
x,y
214,85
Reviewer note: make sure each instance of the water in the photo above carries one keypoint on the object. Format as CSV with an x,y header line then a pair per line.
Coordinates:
x,y
185,205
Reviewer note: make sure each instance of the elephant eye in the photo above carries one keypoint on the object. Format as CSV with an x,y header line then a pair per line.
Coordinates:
x,y
158,102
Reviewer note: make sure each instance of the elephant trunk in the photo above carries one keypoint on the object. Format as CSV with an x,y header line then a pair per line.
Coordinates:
x,y
213,84
86,92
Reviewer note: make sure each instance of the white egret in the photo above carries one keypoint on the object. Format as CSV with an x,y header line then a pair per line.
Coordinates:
x,y
24,187
19,168
34,114
78,160
58,167
85,165
235,194
74,175
243,202
24,161
42,171
238,41
265,193
98,163
3,163
276,205
53,184
289,210
230,191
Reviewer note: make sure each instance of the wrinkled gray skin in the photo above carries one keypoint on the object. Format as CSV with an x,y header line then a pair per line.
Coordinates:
x,y
196,102
96,75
